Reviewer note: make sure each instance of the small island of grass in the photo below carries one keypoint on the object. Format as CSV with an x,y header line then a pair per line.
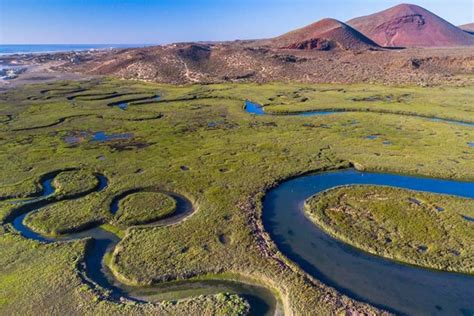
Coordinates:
x,y
144,207
413,227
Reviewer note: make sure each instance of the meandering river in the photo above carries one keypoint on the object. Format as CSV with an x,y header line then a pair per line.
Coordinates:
x,y
384,283
261,299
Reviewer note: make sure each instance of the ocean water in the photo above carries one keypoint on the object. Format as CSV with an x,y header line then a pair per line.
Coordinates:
x,y
8,49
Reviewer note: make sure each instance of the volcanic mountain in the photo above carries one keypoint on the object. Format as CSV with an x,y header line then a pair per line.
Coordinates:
x,y
408,25
326,34
469,28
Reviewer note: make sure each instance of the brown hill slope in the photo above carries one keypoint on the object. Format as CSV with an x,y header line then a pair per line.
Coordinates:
x,y
243,62
407,25
469,28
327,34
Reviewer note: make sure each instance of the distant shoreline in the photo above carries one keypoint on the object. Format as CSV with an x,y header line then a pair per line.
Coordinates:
x,y
27,49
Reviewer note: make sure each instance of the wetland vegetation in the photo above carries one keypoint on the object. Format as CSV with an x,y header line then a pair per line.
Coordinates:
x,y
144,207
414,227
199,142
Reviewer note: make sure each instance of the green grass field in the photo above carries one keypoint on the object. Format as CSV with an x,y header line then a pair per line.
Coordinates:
x,y
199,142
144,207
74,182
418,228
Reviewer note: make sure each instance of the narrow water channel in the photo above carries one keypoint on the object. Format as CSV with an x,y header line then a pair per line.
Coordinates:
x,y
261,299
257,109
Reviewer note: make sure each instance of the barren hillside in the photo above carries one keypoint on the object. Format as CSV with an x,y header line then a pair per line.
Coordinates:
x,y
407,25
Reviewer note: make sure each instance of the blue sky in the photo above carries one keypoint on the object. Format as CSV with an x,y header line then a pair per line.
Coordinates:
x,y
165,21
